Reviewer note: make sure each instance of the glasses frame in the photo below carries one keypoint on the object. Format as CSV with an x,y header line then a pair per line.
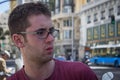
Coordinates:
x,y
53,32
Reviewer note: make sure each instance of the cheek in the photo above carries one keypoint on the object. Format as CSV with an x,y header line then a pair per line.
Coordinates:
x,y
35,42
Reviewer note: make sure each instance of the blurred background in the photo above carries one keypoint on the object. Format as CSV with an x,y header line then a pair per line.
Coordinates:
x,y
88,29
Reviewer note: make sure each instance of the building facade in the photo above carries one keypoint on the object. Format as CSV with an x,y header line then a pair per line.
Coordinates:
x,y
65,19
100,27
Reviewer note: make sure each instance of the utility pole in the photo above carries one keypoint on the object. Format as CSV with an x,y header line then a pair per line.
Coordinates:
x,y
73,54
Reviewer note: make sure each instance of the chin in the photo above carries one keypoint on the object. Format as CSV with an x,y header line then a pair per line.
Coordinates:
x,y
47,60
50,58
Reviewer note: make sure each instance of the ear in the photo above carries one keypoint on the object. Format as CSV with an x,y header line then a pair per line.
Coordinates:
x,y
18,40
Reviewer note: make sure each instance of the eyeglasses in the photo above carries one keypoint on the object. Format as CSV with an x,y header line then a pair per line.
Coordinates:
x,y
43,33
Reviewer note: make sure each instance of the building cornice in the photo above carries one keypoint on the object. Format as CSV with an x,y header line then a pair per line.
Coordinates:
x,y
92,4
63,15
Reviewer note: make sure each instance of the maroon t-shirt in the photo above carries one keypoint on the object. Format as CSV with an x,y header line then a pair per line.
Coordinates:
x,y
63,71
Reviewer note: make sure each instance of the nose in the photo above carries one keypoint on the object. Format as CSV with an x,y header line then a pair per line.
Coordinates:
x,y
50,38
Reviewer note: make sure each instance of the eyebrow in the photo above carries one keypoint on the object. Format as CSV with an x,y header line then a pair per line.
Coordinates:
x,y
44,29
41,29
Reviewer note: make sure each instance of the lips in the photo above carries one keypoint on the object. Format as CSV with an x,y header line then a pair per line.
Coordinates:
x,y
49,49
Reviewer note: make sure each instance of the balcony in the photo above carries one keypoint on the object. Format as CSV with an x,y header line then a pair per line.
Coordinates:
x,y
62,15
92,4
64,42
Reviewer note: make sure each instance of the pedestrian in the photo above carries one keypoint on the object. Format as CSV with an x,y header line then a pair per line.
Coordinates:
x,y
4,55
61,57
33,33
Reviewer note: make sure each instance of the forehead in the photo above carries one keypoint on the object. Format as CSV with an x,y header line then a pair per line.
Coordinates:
x,y
39,21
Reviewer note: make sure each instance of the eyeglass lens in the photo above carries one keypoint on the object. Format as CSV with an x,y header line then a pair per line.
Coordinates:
x,y
43,33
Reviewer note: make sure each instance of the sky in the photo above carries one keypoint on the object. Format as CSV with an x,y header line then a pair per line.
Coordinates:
x,y
4,6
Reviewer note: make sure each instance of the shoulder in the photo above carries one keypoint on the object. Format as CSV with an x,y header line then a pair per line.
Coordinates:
x,y
76,69
1,59
71,64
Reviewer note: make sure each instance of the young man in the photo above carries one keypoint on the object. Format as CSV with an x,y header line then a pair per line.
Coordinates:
x,y
33,33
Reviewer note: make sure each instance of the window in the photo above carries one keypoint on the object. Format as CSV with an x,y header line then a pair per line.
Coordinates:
x,y
88,19
57,11
67,34
58,25
67,9
111,12
89,34
67,1
103,32
68,6
51,4
58,28
96,33
44,1
118,29
67,23
95,17
118,10
102,15
57,7
58,37
57,3
31,0
88,0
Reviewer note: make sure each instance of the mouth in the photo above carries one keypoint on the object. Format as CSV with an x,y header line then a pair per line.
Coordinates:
x,y
49,49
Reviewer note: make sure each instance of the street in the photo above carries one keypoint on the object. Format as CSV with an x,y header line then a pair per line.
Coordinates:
x,y
100,70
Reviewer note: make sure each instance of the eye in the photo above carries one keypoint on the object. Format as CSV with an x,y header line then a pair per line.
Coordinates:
x,y
40,32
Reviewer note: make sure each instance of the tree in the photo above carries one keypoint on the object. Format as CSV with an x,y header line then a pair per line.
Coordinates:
x,y
2,37
7,32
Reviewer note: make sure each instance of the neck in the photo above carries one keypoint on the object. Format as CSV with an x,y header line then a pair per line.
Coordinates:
x,y
39,72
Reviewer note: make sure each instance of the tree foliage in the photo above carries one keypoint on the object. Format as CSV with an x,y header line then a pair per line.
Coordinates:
x,y
7,32
3,34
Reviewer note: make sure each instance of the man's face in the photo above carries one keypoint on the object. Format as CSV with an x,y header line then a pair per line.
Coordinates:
x,y
37,48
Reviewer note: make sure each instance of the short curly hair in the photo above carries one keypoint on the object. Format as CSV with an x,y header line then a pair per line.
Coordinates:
x,y
18,18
